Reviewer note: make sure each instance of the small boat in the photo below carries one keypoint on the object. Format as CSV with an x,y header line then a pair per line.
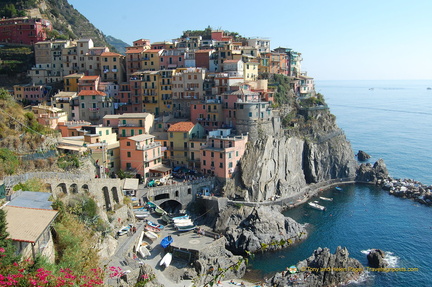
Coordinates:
x,y
180,218
316,206
326,198
186,222
159,210
166,241
338,188
151,235
185,228
166,218
155,225
141,215
429,88
143,251
152,229
124,230
166,260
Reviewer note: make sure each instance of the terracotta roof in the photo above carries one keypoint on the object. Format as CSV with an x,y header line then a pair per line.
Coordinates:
x,y
27,224
91,93
110,54
181,127
153,50
134,50
89,78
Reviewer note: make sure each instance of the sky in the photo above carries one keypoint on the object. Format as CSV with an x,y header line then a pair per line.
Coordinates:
x,y
338,39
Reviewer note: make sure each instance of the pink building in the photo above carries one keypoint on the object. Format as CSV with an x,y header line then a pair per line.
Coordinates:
x,y
142,155
209,114
22,30
222,152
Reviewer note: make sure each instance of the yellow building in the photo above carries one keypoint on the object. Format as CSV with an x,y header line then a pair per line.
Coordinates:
x,y
250,71
151,59
71,82
112,67
180,137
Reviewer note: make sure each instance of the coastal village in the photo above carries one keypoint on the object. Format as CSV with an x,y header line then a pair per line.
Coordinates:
x,y
174,118
167,125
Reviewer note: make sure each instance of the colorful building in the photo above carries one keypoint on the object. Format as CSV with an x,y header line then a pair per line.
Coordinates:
x,y
179,136
49,116
31,93
222,152
24,30
141,155
130,124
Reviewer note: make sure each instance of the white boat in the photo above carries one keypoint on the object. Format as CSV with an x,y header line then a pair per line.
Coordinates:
x,y
141,215
326,198
151,235
143,251
183,223
316,206
166,260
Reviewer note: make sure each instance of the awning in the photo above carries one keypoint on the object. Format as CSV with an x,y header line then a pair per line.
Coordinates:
x,y
131,184
160,169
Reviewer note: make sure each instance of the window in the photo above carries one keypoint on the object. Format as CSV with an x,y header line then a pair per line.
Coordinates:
x,y
107,132
83,106
237,153
220,155
204,153
184,135
192,145
230,165
128,143
128,165
204,162
221,165
212,154
185,145
128,154
171,134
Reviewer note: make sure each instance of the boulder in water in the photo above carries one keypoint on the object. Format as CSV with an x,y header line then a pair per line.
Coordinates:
x,y
376,259
362,156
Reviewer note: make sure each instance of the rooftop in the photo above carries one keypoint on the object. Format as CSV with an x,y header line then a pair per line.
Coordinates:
x,y
31,199
27,224
140,138
181,127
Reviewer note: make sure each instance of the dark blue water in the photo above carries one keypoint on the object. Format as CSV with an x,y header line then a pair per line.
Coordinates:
x,y
394,122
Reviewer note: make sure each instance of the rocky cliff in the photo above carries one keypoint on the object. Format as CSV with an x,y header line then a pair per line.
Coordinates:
x,y
258,228
312,149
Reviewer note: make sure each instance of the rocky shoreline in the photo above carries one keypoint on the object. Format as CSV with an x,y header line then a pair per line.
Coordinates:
x,y
405,188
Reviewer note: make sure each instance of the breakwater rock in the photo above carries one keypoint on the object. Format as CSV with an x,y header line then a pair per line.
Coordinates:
x,y
321,269
406,188
257,228
362,156
409,188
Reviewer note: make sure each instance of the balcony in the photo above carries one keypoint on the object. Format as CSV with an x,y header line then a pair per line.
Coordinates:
x,y
93,109
149,146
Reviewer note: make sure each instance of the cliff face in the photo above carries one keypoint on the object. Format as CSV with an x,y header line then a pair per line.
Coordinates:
x,y
312,151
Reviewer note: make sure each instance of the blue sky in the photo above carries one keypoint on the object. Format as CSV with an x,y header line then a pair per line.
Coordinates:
x,y
339,40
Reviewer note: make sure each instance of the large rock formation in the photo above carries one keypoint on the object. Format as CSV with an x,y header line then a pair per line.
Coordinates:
x,y
256,228
373,174
376,259
321,269
281,164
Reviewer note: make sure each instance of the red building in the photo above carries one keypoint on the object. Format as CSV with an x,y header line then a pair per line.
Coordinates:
x,y
23,30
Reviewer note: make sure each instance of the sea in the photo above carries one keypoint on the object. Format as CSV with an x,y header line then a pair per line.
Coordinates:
x,y
391,120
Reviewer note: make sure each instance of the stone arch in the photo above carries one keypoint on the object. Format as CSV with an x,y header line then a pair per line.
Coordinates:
x,y
61,188
73,188
115,194
85,188
106,194
162,196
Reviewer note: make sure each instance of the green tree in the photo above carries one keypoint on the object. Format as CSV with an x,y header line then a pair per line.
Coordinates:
x,y
7,250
